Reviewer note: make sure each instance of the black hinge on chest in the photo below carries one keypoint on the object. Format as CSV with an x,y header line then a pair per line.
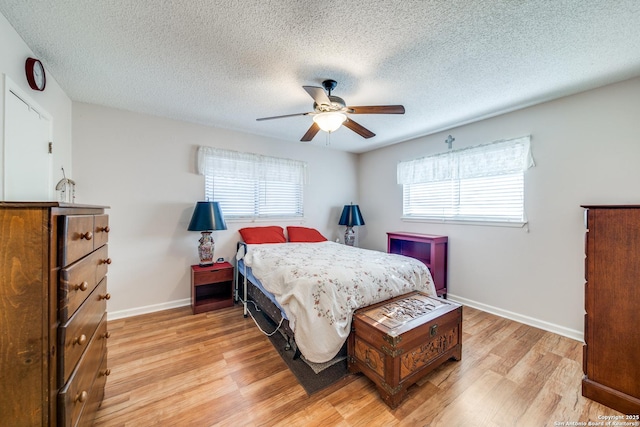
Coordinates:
x,y
50,147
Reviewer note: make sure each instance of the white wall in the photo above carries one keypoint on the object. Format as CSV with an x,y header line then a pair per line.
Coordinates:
x,y
144,168
53,100
586,148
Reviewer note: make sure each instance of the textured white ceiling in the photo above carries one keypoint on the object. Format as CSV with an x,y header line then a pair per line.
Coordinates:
x,y
226,63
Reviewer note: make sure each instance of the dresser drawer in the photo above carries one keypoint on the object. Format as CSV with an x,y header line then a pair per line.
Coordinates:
x,y
75,397
78,280
74,335
92,405
215,276
100,230
77,237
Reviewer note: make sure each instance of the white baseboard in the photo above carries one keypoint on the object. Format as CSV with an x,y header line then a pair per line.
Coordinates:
x,y
551,327
113,315
541,324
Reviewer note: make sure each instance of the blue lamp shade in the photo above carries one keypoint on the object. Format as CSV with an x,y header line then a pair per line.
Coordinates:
x,y
351,216
207,216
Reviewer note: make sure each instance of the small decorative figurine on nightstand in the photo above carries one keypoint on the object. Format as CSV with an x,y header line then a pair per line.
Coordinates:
x,y
67,189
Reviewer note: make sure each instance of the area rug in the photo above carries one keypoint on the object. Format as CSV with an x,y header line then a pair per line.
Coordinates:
x,y
313,377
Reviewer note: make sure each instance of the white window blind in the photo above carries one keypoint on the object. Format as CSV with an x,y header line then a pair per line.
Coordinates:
x,y
253,186
482,183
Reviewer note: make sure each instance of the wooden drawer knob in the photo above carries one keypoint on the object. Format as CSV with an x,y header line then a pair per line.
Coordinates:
x,y
107,335
81,397
80,340
106,372
105,229
82,287
106,296
88,235
106,261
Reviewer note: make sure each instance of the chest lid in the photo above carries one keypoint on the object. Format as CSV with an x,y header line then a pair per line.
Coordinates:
x,y
406,312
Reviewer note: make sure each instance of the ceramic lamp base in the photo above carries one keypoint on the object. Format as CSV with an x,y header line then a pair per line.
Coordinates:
x,y
205,248
349,237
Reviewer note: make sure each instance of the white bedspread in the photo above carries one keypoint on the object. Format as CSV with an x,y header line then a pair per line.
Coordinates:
x,y
319,285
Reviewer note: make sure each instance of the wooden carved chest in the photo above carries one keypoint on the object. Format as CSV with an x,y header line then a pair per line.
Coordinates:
x,y
398,341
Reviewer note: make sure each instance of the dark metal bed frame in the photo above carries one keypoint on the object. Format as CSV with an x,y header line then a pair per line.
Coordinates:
x,y
249,292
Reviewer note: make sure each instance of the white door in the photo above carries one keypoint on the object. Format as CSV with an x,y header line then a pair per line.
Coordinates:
x,y
27,161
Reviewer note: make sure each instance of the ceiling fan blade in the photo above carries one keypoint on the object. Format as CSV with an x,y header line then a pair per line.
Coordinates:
x,y
280,117
313,130
377,109
318,94
359,129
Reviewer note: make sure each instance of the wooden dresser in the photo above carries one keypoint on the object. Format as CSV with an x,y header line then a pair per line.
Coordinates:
x,y
431,250
611,355
53,324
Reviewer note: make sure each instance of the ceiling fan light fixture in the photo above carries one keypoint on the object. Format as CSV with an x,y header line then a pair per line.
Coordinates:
x,y
330,121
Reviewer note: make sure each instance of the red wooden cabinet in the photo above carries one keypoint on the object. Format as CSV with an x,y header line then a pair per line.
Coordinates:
x,y
431,250
611,354
211,287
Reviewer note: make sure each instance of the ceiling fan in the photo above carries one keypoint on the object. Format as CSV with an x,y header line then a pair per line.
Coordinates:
x,y
330,112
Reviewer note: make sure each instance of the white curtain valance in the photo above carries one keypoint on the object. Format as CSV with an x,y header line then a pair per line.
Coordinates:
x,y
496,158
236,165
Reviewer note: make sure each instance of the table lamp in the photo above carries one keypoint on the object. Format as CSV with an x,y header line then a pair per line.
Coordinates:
x,y
206,217
351,217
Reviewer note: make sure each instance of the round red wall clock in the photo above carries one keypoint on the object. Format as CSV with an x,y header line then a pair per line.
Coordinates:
x,y
35,74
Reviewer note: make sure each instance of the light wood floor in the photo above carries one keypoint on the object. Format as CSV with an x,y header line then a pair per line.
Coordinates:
x,y
176,369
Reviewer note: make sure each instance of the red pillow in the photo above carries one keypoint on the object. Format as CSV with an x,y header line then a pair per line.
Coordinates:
x,y
304,234
258,235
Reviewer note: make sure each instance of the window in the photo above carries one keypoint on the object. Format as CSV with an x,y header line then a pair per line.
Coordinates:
x,y
482,183
253,186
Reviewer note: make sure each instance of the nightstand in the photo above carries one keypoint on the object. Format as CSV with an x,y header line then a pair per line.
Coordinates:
x,y
211,287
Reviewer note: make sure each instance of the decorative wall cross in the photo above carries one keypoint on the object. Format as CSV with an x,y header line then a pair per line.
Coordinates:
x,y
449,141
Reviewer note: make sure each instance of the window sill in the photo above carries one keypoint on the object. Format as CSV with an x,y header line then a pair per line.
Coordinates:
x,y
509,224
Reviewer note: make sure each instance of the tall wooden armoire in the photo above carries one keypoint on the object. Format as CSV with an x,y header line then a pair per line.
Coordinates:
x,y
612,303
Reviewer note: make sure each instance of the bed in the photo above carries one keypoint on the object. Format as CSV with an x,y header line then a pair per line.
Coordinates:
x,y
310,287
